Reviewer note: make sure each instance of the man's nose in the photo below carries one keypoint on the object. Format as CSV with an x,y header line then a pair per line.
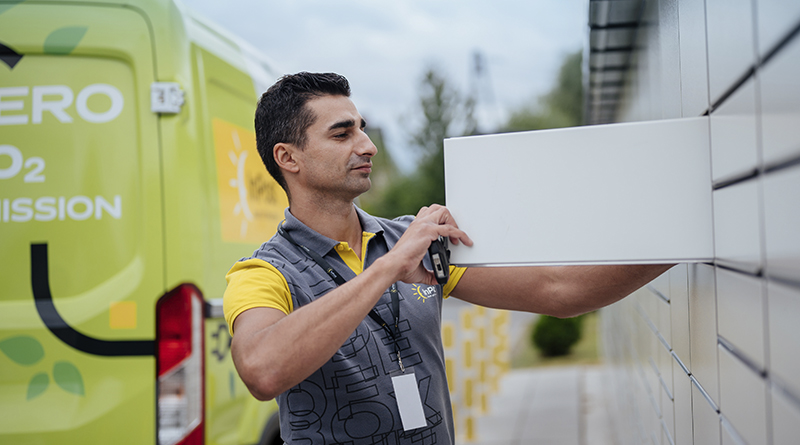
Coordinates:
x,y
366,147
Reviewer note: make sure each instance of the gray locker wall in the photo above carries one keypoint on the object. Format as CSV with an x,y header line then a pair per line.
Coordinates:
x,y
710,353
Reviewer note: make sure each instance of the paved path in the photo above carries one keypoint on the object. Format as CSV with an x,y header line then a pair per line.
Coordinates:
x,y
552,405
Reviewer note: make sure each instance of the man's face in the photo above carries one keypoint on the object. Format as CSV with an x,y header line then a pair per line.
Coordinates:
x,y
337,155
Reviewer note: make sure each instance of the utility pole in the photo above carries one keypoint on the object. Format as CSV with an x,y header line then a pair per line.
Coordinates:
x,y
482,93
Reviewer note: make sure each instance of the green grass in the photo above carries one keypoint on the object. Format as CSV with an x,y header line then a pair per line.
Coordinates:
x,y
585,352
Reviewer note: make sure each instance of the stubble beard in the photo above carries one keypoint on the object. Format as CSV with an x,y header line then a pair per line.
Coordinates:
x,y
354,185
358,182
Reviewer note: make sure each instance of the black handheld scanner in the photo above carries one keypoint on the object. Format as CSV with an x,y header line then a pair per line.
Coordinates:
x,y
440,259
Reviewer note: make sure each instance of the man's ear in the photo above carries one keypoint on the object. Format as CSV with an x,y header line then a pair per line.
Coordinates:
x,y
286,156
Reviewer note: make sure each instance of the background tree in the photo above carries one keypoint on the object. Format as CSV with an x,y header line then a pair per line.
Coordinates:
x,y
556,336
442,112
384,170
561,107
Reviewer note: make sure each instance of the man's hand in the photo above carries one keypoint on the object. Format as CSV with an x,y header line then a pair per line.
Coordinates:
x,y
430,223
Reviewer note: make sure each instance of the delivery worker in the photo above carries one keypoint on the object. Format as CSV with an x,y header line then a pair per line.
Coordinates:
x,y
336,315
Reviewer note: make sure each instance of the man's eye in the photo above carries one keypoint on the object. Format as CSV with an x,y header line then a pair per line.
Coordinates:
x,y
341,135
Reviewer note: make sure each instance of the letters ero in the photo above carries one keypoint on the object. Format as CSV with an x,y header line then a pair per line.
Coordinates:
x,y
53,99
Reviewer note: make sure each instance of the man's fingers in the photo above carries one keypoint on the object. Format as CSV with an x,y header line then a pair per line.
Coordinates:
x,y
445,217
444,224
451,231
438,214
422,275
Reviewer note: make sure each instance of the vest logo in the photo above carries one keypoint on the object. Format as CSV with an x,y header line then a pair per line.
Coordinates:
x,y
423,293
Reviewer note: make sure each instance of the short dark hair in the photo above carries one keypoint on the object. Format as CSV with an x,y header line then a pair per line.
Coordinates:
x,y
282,114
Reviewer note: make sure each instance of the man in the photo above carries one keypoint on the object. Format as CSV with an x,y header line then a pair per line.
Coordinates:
x,y
301,309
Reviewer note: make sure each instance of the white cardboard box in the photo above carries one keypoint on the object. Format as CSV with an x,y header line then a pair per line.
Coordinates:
x,y
632,193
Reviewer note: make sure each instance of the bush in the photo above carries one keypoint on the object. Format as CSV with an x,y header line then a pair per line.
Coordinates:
x,y
556,336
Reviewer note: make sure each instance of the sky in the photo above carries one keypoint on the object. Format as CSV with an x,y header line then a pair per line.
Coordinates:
x,y
384,48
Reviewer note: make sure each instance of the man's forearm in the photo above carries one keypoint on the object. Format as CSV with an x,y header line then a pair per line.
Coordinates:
x,y
562,291
589,288
273,358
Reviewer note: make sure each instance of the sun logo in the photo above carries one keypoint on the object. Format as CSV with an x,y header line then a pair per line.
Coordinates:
x,y
423,293
251,203
239,183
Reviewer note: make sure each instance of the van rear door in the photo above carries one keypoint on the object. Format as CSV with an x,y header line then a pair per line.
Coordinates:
x,y
81,226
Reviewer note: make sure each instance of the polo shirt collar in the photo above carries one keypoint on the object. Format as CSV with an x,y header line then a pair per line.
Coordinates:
x,y
322,244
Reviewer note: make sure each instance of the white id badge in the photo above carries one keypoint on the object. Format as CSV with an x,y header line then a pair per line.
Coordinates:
x,y
408,400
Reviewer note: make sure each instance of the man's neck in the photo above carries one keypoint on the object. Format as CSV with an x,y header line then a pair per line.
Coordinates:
x,y
335,220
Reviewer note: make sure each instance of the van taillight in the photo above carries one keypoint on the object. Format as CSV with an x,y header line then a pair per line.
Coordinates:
x,y
179,361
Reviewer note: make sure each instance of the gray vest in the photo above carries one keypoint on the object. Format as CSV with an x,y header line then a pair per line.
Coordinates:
x,y
350,399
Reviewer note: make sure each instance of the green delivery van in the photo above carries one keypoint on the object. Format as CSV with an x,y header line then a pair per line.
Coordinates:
x,y
129,184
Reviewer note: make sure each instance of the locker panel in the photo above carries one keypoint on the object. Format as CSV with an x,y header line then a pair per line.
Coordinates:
x,y
666,436
782,223
650,64
784,335
737,226
729,435
703,326
776,18
743,398
731,43
683,405
653,379
780,104
669,45
665,370
733,135
647,301
620,193
663,324
643,338
661,284
740,308
679,308
785,418
667,393
704,419
694,66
